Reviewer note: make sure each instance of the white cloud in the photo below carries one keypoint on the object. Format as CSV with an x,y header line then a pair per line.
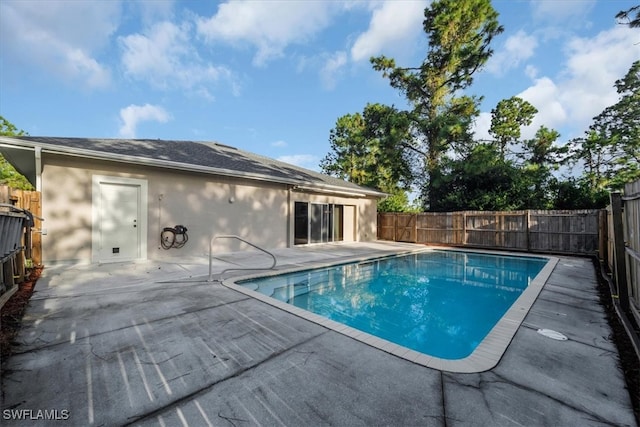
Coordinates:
x,y
392,25
303,160
269,26
153,11
517,48
562,11
545,96
583,88
164,56
279,144
332,68
592,69
61,38
531,71
481,126
556,19
134,114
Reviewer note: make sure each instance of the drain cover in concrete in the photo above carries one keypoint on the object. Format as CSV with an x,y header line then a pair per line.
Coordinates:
x,y
552,334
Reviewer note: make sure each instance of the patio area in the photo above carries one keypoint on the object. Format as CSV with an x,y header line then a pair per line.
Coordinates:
x,y
155,344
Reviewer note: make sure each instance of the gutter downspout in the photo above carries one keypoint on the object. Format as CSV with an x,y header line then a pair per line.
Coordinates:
x,y
289,237
38,165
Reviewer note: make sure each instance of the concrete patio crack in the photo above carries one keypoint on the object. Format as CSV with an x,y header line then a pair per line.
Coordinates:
x,y
592,416
97,334
444,402
137,418
568,304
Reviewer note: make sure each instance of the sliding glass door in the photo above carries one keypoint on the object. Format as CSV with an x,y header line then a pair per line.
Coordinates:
x,y
301,224
317,223
338,220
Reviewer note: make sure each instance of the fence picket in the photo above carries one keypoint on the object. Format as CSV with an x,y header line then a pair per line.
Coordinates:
x,y
31,201
571,232
631,243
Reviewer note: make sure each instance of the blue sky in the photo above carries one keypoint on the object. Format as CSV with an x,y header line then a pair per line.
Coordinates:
x,y
272,77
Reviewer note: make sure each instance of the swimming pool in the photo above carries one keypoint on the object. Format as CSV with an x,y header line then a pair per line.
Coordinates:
x,y
438,303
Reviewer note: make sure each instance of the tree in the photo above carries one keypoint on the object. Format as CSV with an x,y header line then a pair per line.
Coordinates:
x,y
8,129
348,157
8,174
482,180
577,193
610,149
397,201
541,159
594,152
625,17
459,33
365,150
620,125
507,119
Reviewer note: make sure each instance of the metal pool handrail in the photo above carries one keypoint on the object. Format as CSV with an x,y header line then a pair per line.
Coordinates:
x,y
231,236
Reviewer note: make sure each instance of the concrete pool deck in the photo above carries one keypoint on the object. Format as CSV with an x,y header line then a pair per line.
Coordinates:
x,y
145,344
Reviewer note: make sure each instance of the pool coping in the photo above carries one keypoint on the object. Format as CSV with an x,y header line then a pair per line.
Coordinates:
x,y
484,357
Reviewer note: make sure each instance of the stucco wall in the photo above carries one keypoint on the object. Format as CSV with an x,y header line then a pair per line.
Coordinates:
x,y
205,204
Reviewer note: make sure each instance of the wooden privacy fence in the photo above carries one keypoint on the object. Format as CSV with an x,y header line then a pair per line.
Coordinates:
x,y
623,247
571,232
30,201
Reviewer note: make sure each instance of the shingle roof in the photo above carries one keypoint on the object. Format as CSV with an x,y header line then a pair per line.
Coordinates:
x,y
208,157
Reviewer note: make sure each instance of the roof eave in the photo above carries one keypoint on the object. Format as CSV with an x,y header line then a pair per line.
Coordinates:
x,y
96,155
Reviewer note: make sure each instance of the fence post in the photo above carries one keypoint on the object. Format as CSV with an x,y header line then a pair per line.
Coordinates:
x,y
415,228
463,241
395,227
619,251
527,222
602,235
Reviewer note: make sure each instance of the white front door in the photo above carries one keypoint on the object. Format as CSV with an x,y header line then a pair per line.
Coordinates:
x,y
119,214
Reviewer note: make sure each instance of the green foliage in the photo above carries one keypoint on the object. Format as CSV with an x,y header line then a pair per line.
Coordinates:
x,y
459,34
610,150
11,177
626,17
396,202
367,149
541,159
577,193
8,129
431,146
507,119
481,180
8,174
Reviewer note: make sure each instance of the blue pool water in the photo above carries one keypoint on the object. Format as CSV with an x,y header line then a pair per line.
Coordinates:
x,y
441,303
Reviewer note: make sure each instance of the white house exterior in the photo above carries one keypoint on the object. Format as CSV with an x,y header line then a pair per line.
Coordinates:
x,y
108,200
